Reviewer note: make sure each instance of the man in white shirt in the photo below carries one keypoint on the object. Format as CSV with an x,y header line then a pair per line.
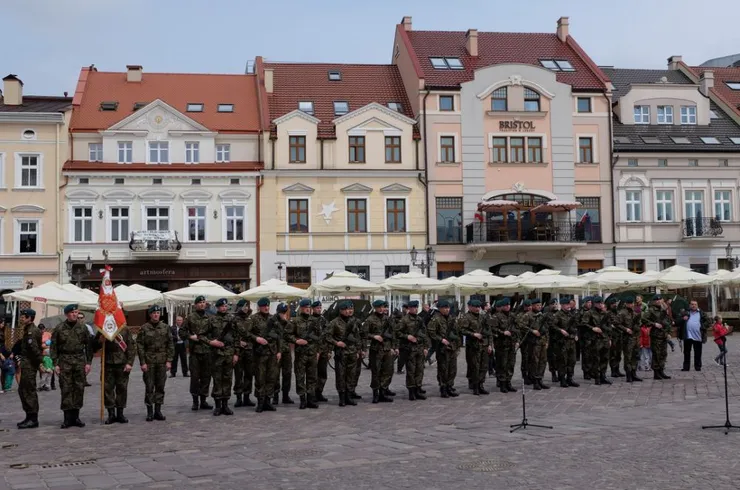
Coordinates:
x,y
180,349
692,330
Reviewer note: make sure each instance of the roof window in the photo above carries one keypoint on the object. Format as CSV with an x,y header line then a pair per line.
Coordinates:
x,y
335,76
439,63
735,139
306,106
340,108
109,106
622,140
195,107
713,115
680,140
733,85
710,140
557,65
139,105
651,140
226,108
395,106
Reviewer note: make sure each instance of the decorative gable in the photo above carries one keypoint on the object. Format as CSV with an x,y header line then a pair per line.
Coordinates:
x,y
234,194
395,189
82,194
374,124
28,208
196,194
298,189
158,117
296,113
375,106
119,195
357,188
157,195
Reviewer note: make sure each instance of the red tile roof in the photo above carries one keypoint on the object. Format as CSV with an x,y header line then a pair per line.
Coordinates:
x,y
360,85
176,89
721,77
496,48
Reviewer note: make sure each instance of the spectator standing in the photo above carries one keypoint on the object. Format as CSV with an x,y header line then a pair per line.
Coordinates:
x,y
646,353
692,330
180,349
720,331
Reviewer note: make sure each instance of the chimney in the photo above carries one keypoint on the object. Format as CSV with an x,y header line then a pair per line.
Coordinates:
x,y
406,22
134,73
706,82
472,42
563,24
12,90
269,80
673,62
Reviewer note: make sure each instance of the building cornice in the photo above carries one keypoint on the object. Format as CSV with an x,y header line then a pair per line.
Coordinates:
x,y
32,117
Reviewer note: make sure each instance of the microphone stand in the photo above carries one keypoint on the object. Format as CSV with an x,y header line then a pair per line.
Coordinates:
x,y
727,426
525,422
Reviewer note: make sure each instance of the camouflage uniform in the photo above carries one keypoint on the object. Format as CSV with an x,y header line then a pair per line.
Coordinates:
x,y
615,350
71,351
265,362
196,323
31,358
658,337
445,327
358,369
244,368
322,365
540,322
413,325
344,329
596,345
284,373
307,328
629,319
582,319
381,354
222,327
156,349
476,349
501,322
525,322
564,347
116,377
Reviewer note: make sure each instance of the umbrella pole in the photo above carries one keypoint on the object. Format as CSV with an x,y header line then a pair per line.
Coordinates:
x,y
102,382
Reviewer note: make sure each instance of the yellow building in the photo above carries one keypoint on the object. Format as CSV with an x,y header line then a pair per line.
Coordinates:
x,y
343,185
33,147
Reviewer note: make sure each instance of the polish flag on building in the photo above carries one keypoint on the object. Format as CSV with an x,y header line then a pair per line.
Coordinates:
x,y
109,317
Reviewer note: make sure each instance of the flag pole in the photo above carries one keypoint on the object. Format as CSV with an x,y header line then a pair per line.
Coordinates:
x,y
102,381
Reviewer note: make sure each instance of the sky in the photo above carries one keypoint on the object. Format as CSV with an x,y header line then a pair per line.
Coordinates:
x,y
48,41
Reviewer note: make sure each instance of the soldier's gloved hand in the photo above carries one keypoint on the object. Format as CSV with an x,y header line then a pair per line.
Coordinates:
x,y
87,369
144,368
127,368
168,365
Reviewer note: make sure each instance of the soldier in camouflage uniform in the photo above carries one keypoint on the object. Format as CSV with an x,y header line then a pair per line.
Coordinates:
x,y
244,369
284,374
657,319
525,341
382,348
506,341
194,326
582,320
539,328
477,343
344,335
352,388
322,366
596,346
119,360
156,351
71,354
396,319
526,323
304,332
629,324
222,337
266,332
615,350
563,338
31,358
412,338
444,333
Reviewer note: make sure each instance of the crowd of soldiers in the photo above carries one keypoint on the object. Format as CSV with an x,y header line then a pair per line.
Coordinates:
x,y
249,350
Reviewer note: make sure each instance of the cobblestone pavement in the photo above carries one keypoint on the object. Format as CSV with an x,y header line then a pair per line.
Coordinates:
x,y
640,436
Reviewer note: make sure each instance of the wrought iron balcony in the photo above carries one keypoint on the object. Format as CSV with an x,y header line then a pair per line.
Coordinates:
x,y
549,232
154,243
702,228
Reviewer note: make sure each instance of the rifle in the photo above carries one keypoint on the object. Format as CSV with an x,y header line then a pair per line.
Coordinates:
x,y
311,337
452,336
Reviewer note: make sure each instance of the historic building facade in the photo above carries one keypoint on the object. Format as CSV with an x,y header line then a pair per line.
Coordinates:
x,y
162,180
510,122
343,183
33,147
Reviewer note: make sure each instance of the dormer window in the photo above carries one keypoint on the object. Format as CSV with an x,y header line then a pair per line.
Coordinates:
x,y
531,100
108,106
335,76
710,140
226,108
688,114
665,114
306,106
139,105
733,85
341,108
642,114
439,63
681,140
195,107
557,65
651,140
395,106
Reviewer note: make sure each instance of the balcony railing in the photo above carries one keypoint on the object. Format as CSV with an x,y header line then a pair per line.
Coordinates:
x,y
556,231
702,228
165,242
450,234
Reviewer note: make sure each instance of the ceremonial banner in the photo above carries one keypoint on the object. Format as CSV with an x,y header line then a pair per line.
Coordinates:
x,y
109,316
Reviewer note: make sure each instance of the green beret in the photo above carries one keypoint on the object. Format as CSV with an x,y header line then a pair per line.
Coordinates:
x,y
70,308
586,299
154,308
475,303
611,300
304,302
498,304
378,303
536,301
527,302
657,297
242,303
413,304
281,308
443,303
221,302
405,305
628,299
29,312
263,302
199,299
553,301
345,305
505,302
597,299
315,304
564,301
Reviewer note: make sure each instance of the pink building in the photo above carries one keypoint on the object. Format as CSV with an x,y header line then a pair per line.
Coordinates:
x,y
521,117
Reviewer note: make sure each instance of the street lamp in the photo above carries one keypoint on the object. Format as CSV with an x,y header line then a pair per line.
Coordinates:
x,y
424,264
79,275
280,269
733,262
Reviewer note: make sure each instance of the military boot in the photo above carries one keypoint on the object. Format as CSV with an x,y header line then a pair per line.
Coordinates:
x,y
239,402
311,403
276,398
604,380
149,413
348,399
260,404
67,419
412,394
286,399
502,387
571,382
382,398
25,420
421,390
443,392
76,420
158,412
536,385
320,397
31,422
225,407
119,416
388,392
204,404
217,410
664,375
341,399
111,417
476,390
482,390
634,376
376,396
555,377
302,406
597,380
629,376
510,388
562,380
195,403
452,391
353,394
269,406
617,373
247,402
528,381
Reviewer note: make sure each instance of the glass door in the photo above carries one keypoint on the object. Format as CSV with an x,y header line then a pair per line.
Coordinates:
x,y
694,208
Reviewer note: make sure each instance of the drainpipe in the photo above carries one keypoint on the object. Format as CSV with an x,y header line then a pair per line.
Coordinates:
x,y
426,172
321,162
272,155
612,162
260,181
60,251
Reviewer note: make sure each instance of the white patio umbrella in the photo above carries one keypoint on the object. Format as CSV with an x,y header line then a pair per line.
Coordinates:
x,y
210,290
137,297
480,282
89,298
343,283
554,282
678,276
275,289
50,294
617,279
413,282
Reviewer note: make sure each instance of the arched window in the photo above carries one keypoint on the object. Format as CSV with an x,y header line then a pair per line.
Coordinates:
x,y
518,224
531,100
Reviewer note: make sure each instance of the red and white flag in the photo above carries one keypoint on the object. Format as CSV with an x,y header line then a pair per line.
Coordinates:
x,y
109,317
